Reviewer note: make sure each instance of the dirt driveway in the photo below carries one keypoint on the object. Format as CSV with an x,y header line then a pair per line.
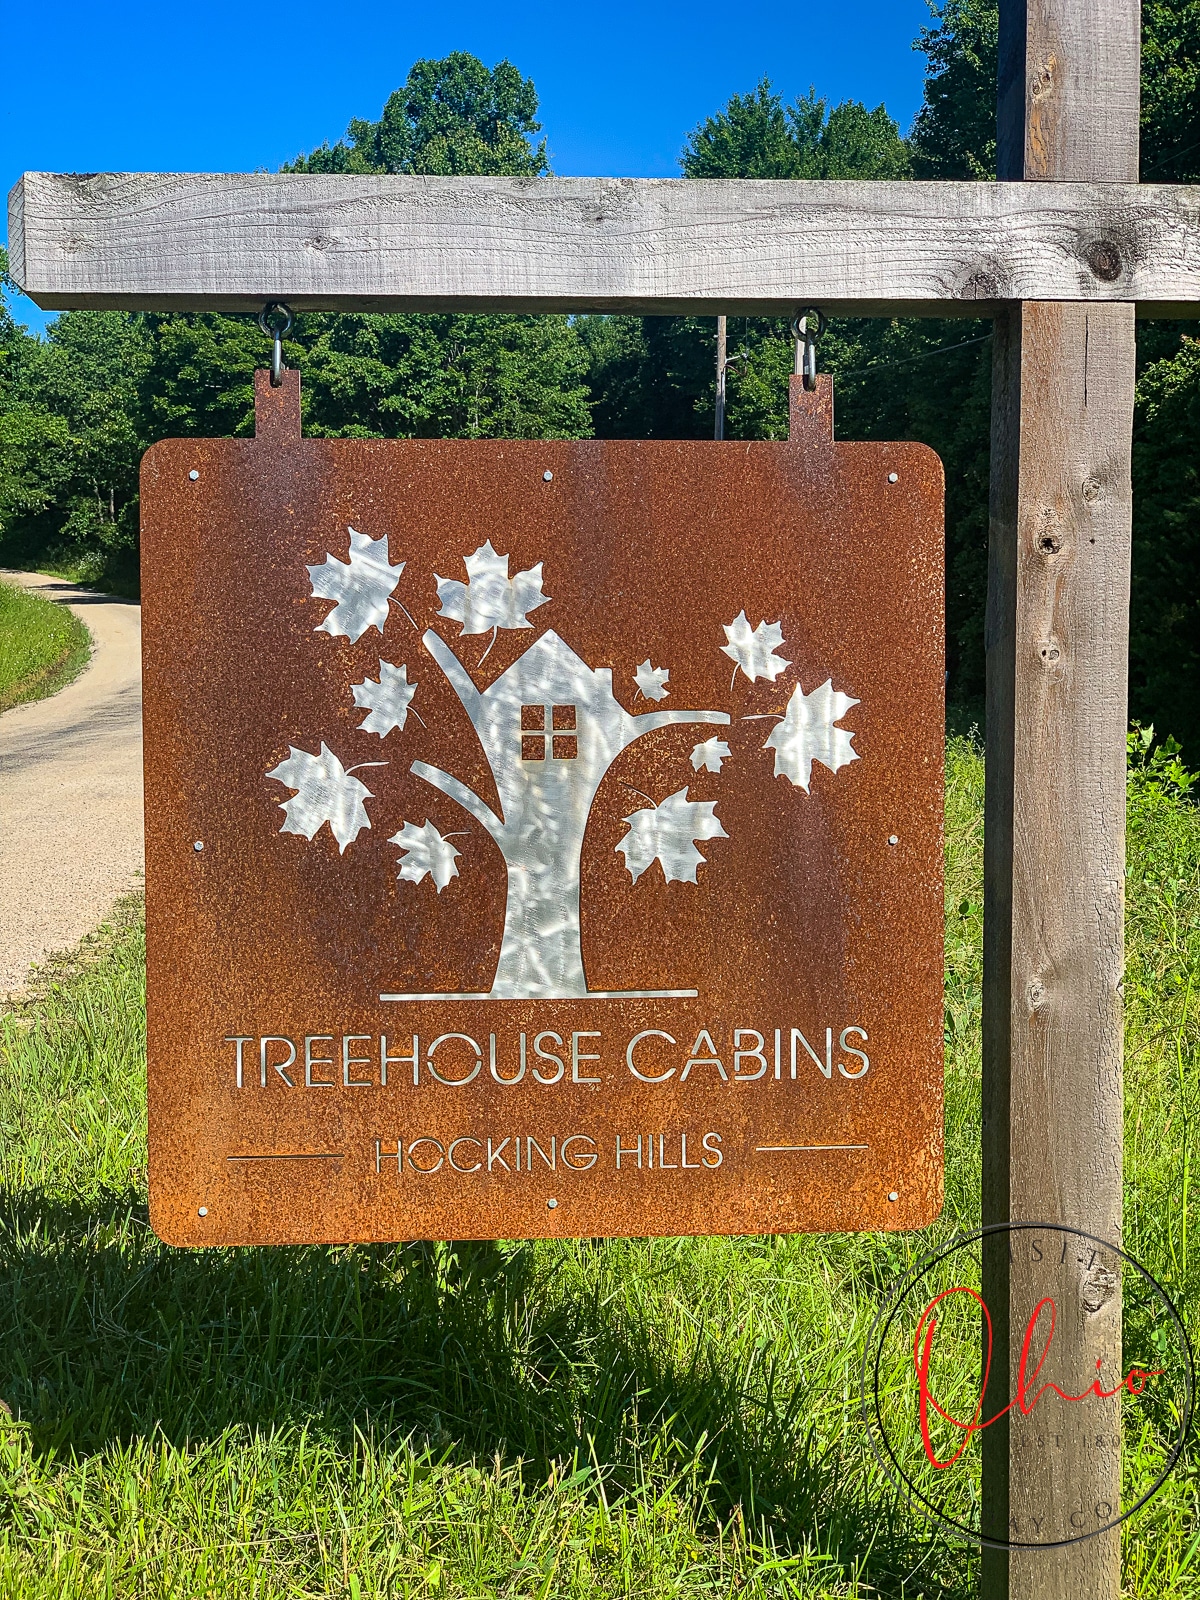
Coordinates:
x,y
71,789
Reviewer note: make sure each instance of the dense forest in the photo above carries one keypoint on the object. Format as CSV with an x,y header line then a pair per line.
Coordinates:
x,y
78,408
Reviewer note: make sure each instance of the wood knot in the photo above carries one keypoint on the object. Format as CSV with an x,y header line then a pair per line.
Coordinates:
x,y
1049,544
1097,1289
1093,490
1104,259
986,284
1042,79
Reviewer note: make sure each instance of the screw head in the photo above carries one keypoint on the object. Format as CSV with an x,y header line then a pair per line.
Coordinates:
x,y
893,477
193,474
893,838
198,846
551,1205
893,1195
203,1211
547,477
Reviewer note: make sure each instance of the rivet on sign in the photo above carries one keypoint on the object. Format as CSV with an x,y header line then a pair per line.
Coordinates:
x,y
547,477
893,838
551,1205
203,1211
893,477
193,474
893,1195
198,846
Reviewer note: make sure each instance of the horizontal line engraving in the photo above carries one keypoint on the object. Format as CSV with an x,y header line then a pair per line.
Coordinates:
x,y
292,1155
785,1149
592,994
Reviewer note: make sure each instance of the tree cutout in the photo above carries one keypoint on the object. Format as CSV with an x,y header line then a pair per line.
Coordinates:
x,y
666,833
710,755
550,727
754,651
325,792
652,681
427,854
386,702
361,586
807,734
490,598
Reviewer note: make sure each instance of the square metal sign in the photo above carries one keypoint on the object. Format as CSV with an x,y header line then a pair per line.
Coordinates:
x,y
542,838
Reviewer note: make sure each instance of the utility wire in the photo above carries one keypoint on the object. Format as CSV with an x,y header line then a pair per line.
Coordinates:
x,y
887,366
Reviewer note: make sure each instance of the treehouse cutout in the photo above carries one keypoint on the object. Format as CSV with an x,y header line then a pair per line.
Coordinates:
x,y
546,778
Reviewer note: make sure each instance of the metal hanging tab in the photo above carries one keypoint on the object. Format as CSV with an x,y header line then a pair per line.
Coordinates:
x,y
275,319
806,328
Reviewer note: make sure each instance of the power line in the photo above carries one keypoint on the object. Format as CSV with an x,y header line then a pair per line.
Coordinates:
x,y
887,366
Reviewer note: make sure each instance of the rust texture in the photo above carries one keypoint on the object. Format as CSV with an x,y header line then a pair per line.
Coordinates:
x,y
812,931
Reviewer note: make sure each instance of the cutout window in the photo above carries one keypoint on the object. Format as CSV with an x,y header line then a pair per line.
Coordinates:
x,y
554,726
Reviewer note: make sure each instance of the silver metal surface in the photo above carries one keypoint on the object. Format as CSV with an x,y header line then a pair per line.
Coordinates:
x,y
546,783
361,586
387,700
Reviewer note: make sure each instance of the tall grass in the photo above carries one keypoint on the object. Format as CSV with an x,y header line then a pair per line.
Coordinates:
x,y
630,1418
42,646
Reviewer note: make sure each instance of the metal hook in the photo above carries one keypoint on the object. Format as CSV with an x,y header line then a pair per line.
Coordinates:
x,y
806,345
275,319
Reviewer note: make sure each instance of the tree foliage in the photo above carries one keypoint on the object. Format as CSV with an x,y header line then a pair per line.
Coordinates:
x,y
954,133
452,117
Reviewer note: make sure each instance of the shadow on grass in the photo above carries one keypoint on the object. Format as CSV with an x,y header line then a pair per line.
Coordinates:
x,y
106,1334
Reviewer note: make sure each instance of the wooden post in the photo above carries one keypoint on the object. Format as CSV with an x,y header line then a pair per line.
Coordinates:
x,y
719,414
1057,632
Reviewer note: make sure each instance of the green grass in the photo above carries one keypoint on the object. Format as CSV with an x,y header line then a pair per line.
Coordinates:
x,y
42,646
630,1418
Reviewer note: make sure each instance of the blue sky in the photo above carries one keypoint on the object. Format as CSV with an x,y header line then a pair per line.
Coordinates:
x,y
225,88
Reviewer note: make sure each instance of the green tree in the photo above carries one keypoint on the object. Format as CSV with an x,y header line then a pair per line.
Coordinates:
x,y
954,132
756,136
452,117
69,446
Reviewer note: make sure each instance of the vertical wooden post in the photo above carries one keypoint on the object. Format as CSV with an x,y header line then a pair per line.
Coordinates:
x,y
1057,638
722,369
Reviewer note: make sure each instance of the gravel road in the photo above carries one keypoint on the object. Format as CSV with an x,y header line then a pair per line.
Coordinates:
x,y
71,789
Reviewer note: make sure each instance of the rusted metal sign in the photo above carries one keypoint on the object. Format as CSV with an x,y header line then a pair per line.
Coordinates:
x,y
542,838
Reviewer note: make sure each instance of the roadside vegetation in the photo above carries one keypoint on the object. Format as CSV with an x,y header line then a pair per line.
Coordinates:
x,y
42,646
620,1418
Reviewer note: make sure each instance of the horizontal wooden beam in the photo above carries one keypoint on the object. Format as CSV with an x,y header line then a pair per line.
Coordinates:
x,y
171,241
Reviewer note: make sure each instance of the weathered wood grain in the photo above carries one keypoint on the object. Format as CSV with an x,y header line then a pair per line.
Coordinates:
x,y
1057,647
193,241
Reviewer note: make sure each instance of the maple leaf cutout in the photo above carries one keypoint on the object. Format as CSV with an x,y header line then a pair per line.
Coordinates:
x,y
652,681
325,792
427,854
490,598
710,755
807,734
386,702
754,651
667,833
361,586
